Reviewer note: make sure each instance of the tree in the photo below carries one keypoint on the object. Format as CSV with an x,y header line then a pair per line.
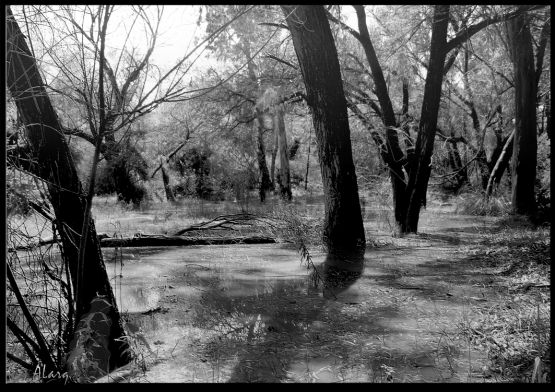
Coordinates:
x,y
525,139
503,153
272,102
51,162
242,44
408,195
317,55
265,183
135,84
419,172
166,180
409,169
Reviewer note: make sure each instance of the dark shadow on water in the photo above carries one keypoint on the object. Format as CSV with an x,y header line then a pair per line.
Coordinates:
x,y
269,324
269,328
338,274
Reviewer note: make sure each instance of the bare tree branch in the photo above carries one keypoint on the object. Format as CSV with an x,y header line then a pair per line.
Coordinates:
x,y
465,34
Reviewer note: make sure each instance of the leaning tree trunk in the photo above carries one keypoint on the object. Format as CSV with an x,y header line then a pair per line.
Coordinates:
x,y
343,229
420,169
501,164
499,141
525,140
284,174
54,165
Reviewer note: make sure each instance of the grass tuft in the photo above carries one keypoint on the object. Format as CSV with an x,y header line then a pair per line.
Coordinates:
x,y
476,204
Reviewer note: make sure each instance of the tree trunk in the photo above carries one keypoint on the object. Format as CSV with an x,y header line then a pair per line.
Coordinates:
x,y
525,139
166,179
273,161
499,140
265,183
420,168
548,115
57,169
343,229
284,174
394,154
307,160
500,165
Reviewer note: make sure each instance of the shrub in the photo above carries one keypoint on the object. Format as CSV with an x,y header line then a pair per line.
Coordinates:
x,y
476,204
17,201
196,160
122,175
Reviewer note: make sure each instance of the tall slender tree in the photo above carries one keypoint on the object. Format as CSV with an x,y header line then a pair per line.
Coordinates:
x,y
525,146
409,194
317,55
420,168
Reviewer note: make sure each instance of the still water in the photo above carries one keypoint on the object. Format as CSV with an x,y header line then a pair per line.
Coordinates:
x,y
254,313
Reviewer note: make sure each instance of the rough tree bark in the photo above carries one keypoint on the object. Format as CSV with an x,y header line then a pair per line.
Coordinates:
x,y
343,230
420,168
307,160
54,165
524,157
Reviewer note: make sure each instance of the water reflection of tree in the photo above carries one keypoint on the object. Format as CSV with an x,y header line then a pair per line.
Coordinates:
x,y
267,325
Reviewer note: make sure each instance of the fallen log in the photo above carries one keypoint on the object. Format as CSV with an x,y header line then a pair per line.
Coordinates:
x,y
160,240
43,242
164,240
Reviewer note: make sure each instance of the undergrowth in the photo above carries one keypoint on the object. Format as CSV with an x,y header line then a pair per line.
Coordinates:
x,y
474,203
516,336
303,231
516,333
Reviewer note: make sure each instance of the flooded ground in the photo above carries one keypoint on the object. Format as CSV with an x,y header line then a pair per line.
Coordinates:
x,y
254,313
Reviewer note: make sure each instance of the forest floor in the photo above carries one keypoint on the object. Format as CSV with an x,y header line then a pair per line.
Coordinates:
x,y
465,300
